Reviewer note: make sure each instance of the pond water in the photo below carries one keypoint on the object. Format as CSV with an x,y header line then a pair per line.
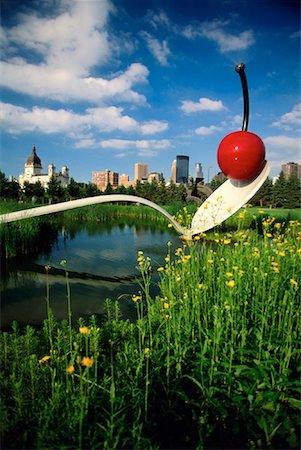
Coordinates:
x,y
101,260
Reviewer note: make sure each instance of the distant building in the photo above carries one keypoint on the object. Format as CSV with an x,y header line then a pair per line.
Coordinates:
x,y
140,172
154,176
290,169
173,174
199,176
124,180
33,172
102,179
182,169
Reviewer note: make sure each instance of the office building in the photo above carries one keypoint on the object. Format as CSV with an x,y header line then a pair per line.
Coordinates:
x,y
182,169
140,172
290,169
199,176
173,171
124,180
102,179
153,176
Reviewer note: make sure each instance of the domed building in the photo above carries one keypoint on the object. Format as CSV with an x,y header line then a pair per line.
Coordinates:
x,y
33,172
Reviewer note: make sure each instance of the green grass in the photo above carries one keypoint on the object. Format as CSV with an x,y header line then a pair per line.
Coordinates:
x,y
211,362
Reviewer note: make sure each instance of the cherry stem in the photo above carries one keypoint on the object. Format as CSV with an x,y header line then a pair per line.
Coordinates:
x,y
240,69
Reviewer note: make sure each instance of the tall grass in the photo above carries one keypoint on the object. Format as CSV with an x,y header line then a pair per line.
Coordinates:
x,y
211,362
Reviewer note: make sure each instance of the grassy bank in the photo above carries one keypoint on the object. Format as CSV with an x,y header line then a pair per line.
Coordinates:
x,y
211,362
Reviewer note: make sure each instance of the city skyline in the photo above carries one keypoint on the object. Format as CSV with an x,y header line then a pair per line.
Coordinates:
x,y
108,83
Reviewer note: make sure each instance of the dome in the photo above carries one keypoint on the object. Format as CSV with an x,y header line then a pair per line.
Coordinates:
x,y
33,159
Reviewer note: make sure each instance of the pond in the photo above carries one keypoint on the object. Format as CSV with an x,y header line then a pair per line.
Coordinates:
x,y
101,261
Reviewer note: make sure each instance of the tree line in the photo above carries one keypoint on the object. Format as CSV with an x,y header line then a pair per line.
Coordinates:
x,y
284,193
155,191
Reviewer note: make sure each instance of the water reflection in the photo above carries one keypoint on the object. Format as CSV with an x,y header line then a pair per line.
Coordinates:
x,y
101,262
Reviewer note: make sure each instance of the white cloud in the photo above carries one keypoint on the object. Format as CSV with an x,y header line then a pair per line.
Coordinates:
x,y
282,149
17,120
291,119
65,49
154,126
158,19
158,49
215,32
145,147
205,131
204,104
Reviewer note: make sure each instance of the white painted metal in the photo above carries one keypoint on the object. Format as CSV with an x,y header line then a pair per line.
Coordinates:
x,y
221,204
225,201
72,204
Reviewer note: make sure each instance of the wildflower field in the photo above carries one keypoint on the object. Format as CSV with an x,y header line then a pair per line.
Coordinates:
x,y
212,362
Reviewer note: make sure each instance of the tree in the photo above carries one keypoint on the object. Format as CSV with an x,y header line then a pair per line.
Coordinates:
x,y
8,189
121,189
130,190
280,192
163,194
73,189
264,196
13,190
108,189
138,188
38,190
28,191
217,181
91,190
55,190
294,190
3,184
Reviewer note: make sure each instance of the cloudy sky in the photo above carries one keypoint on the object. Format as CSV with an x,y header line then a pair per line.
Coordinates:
x,y
102,84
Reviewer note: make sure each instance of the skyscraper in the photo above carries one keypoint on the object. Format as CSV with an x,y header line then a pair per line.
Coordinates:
x,y
141,171
173,175
182,169
198,172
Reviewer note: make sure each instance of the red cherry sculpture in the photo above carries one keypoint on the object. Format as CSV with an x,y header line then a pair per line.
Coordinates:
x,y
241,155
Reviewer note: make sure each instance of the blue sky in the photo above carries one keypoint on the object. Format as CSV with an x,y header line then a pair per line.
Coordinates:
x,y
102,84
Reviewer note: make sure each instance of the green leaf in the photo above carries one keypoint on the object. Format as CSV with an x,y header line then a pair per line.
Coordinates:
x,y
294,402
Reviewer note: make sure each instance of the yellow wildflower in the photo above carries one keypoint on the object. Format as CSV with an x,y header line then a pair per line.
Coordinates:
x,y
170,225
235,267
293,282
135,298
87,362
160,269
70,369
227,241
210,261
146,350
166,305
140,252
229,274
84,330
45,358
230,283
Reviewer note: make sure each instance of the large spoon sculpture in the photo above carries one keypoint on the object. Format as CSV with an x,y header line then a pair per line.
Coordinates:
x,y
241,156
